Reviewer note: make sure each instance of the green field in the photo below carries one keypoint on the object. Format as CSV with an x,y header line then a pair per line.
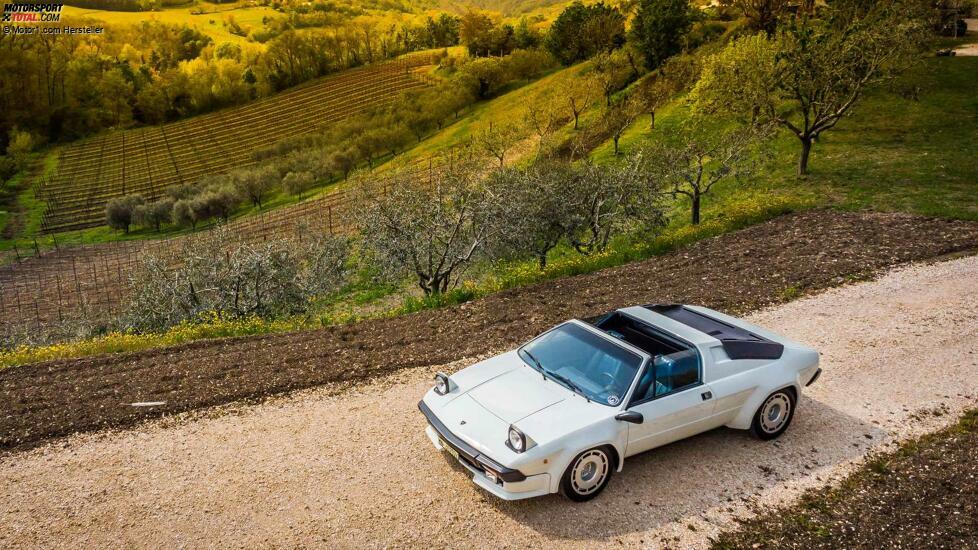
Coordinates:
x,y
211,22
892,154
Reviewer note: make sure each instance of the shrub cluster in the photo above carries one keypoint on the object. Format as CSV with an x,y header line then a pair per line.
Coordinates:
x,y
214,274
433,231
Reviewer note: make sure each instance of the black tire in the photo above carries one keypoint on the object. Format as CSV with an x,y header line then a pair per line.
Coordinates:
x,y
774,415
576,483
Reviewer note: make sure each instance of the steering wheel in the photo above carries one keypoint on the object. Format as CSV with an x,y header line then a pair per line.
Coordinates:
x,y
613,382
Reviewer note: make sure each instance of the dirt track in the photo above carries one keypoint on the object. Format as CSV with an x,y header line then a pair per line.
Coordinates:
x,y
736,272
354,469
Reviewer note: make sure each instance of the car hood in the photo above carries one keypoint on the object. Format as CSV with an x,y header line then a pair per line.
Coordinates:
x,y
503,391
517,393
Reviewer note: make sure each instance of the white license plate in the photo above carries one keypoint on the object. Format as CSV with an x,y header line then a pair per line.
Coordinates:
x,y
448,448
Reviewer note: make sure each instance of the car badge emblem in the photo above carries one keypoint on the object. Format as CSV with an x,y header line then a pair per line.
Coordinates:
x,y
462,423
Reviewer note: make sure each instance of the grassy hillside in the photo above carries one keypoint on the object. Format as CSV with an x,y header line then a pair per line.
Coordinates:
x,y
210,19
149,160
895,153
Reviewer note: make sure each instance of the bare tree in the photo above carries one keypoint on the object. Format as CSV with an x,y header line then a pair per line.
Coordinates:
x,y
699,158
620,115
810,76
431,231
497,139
763,15
579,92
543,118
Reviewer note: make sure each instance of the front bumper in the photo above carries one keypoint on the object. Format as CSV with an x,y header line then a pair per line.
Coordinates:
x,y
511,485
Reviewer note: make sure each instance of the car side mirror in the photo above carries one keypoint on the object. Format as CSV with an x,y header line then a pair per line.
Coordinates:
x,y
630,416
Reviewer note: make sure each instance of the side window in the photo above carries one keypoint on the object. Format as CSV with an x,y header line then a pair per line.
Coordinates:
x,y
676,371
667,374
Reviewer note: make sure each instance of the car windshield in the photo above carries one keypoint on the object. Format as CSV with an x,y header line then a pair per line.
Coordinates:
x,y
585,362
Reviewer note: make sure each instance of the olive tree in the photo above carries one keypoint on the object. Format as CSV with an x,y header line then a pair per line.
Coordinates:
x,y
620,115
609,200
429,230
697,158
762,15
612,71
155,214
497,139
120,212
810,75
214,274
256,183
578,92
674,77
531,209
297,183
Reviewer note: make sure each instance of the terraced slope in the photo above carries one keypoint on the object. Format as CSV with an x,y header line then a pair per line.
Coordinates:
x,y
148,160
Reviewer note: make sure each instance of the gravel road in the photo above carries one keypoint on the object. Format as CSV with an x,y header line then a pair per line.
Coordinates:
x,y
351,467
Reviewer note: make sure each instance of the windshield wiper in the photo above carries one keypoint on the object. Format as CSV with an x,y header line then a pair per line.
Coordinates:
x,y
567,381
536,362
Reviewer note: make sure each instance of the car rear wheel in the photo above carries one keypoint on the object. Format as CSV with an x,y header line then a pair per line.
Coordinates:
x,y
587,475
774,415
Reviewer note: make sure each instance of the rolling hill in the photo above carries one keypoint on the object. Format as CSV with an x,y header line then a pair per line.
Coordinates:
x,y
149,160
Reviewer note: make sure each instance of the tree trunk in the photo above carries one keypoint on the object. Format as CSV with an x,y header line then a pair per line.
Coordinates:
x,y
696,209
616,138
576,115
542,260
652,123
806,150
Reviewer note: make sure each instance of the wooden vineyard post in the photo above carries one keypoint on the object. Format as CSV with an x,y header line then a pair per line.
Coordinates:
x,y
124,164
17,252
78,296
329,213
98,297
58,277
121,287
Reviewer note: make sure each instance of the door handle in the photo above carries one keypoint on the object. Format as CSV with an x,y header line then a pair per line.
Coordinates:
x,y
706,395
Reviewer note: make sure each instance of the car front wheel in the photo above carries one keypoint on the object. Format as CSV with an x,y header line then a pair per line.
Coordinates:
x,y
587,475
774,415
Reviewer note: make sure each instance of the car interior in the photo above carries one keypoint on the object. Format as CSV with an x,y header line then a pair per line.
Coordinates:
x,y
601,369
675,365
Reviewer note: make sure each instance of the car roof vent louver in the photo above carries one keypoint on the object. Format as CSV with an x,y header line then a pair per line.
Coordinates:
x,y
738,342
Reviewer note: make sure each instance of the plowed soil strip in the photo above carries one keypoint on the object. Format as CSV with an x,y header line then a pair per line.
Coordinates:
x,y
737,272
355,470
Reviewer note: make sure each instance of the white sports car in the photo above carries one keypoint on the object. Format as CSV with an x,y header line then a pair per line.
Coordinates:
x,y
563,411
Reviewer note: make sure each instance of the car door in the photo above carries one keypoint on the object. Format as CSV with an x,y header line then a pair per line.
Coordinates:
x,y
674,401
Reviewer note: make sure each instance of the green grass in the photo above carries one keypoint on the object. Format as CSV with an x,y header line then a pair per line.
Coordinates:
x,y
893,154
507,107
33,210
210,23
